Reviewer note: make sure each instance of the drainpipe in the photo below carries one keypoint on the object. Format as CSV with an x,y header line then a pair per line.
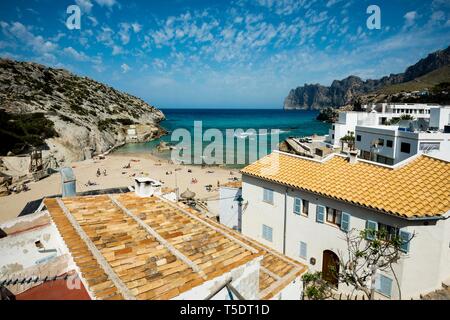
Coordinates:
x,y
285,218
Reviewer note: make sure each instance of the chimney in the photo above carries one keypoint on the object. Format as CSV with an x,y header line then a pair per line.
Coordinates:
x,y
353,157
145,187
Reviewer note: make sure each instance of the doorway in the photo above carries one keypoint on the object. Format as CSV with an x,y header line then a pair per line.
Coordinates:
x,y
330,268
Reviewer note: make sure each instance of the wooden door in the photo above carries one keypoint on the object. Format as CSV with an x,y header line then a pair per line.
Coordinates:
x,y
330,267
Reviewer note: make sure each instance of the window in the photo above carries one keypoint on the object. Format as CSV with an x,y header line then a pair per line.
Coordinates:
x,y
389,232
358,138
297,205
334,127
303,250
405,147
383,285
334,216
320,214
389,143
429,146
345,222
268,196
267,233
332,136
305,207
365,155
405,238
380,142
385,160
371,228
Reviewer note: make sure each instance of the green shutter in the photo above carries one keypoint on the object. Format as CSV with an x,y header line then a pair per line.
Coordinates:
x,y
297,205
371,227
345,222
405,238
320,214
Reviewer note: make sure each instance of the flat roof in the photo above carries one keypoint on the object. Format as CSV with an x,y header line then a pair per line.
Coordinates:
x,y
127,247
419,188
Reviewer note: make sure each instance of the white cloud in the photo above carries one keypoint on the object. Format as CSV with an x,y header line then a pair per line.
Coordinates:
x,y
117,50
125,68
106,3
85,5
124,33
79,56
410,18
93,21
285,7
136,27
19,32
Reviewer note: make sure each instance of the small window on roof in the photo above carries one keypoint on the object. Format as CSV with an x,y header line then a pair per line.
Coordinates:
x,y
405,147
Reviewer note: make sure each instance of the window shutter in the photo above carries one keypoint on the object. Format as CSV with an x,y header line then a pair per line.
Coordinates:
x,y
268,195
303,250
297,205
405,237
320,214
371,226
267,233
384,285
345,221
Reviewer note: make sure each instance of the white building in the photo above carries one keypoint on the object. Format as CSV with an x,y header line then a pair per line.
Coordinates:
x,y
304,207
230,209
393,144
374,115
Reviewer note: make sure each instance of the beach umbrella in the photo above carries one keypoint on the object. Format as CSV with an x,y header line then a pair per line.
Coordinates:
x,y
188,194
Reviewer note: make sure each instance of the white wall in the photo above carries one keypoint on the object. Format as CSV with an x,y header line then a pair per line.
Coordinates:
x,y
20,251
422,269
245,280
229,210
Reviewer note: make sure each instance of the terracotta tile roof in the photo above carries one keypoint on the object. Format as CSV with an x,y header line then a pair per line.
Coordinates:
x,y
233,184
277,270
420,188
147,266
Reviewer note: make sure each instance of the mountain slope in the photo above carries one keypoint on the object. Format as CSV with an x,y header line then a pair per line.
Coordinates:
x,y
80,116
346,91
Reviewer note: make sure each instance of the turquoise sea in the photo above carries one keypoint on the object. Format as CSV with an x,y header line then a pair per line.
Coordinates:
x,y
278,123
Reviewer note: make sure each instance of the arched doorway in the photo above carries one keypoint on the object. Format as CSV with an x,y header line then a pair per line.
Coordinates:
x,y
330,267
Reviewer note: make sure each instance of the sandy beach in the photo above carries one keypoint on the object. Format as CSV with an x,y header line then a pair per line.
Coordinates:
x,y
117,176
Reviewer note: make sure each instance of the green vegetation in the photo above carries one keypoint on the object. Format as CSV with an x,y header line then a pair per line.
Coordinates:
x,y
427,81
328,115
20,132
105,124
108,123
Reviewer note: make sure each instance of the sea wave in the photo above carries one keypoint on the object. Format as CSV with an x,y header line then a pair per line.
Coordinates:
x,y
245,134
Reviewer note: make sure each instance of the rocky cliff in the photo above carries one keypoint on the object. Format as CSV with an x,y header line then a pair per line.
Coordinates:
x,y
346,91
75,117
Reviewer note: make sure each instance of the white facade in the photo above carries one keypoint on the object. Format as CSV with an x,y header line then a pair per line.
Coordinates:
x,y
421,270
230,212
395,146
375,115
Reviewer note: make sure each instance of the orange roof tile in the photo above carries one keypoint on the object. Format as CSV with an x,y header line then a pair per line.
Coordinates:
x,y
146,267
420,188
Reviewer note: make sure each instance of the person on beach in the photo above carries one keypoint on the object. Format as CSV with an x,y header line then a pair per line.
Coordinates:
x,y
98,172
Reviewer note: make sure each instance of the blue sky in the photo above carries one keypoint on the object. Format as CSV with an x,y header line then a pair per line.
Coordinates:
x,y
237,53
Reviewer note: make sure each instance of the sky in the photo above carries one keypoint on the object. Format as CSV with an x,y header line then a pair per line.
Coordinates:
x,y
222,54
